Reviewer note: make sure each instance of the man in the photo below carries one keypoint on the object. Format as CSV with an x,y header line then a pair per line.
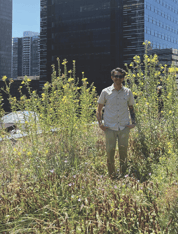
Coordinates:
x,y
118,101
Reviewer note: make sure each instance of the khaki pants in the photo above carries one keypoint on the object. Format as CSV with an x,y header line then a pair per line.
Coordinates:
x,y
111,137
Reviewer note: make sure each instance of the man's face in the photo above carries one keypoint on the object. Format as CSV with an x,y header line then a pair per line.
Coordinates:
x,y
118,78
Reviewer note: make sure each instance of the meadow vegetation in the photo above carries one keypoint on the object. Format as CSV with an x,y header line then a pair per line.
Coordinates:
x,y
57,181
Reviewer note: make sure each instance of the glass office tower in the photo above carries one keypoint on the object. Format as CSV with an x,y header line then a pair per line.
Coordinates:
x,y
5,37
103,34
26,56
31,55
152,20
161,23
89,32
133,29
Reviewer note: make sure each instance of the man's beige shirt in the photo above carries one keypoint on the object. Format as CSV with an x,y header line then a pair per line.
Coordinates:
x,y
116,112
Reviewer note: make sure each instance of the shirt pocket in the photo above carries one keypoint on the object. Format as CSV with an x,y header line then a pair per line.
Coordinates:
x,y
124,101
112,101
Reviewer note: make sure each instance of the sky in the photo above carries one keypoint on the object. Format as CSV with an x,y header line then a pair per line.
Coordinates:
x,y
25,17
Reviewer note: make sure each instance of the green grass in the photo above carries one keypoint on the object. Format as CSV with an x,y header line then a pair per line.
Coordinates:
x,y
83,199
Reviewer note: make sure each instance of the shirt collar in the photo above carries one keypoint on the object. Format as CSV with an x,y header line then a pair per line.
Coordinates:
x,y
112,87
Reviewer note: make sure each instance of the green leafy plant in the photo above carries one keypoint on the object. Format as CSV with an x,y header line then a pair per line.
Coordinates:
x,y
57,182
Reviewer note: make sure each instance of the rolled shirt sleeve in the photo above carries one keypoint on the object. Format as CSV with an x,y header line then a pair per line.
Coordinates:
x,y
101,99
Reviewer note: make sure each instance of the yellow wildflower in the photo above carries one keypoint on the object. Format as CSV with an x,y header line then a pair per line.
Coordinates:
x,y
4,78
64,99
84,79
172,70
131,64
70,79
136,58
64,62
46,84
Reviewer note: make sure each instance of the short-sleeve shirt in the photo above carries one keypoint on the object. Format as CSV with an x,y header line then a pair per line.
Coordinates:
x,y
116,112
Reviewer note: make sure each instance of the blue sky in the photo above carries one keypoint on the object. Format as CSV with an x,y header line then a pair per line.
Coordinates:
x,y
25,17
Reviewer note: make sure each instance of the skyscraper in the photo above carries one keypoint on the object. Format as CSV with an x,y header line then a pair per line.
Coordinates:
x,y
31,54
26,55
152,20
16,57
103,34
5,37
89,32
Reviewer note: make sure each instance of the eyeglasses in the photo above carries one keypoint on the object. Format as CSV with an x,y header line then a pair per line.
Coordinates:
x,y
119,76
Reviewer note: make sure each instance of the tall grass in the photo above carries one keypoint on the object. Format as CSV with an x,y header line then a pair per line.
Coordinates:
x,y
57,182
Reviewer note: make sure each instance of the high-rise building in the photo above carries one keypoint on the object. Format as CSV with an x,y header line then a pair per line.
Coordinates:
x,y
5,37
89,32
26,55
35,55
16,57
31,54
152,20
103,34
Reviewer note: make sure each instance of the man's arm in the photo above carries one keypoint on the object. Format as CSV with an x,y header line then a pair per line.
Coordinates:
x,y
99,116
132,115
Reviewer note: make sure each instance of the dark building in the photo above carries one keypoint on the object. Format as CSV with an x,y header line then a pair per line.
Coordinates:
x,y
103,34
133,29
16,57
5,37
89,32
35,56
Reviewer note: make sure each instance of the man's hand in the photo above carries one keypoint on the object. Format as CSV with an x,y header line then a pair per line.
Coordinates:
x,y
103,127
131,126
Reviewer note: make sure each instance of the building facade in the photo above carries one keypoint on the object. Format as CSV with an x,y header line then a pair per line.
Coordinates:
x,y
152,20
101,35
5,37
86,31
161,23
16,56
31,54
26,55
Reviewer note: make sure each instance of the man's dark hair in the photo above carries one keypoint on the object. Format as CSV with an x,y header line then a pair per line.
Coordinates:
x,y
118,69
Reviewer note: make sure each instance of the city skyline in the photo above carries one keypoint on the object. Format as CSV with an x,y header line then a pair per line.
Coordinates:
x,y
26,17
